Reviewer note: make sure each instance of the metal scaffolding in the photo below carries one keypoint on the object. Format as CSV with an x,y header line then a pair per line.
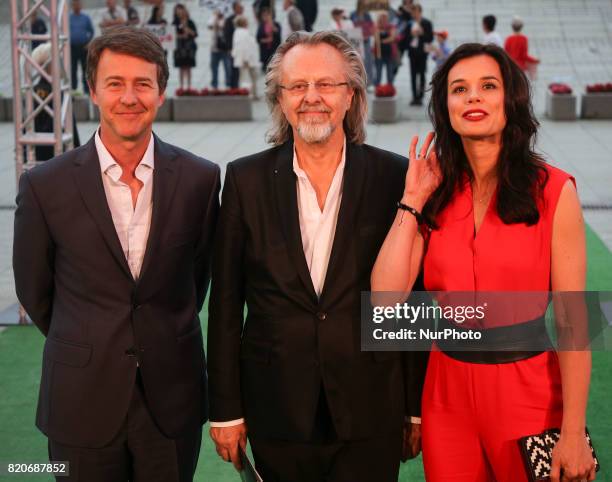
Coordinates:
x,y
27,103
25,73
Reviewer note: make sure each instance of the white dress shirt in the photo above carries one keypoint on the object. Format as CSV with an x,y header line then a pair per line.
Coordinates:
x,y
132,224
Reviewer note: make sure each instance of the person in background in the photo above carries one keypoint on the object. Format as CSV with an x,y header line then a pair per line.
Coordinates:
x,y
362,19
268,37
339,22
132,17
421,37
309,9
385,47
157,15
294,19
186,47
441,51
218,50
245,53
491,36
81,33
37,27
43,122
112,16
403,19
157,20
517,46
228,33
259,6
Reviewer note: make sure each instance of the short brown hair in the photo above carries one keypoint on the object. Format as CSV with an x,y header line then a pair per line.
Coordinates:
x,y
137,42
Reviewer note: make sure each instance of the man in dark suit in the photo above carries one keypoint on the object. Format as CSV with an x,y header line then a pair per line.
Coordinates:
x,y
300,228
419,39
111,259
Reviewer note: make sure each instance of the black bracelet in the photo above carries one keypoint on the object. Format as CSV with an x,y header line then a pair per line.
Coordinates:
x,y
414,212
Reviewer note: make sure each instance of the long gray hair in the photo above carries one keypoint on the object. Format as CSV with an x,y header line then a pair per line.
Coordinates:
x,y
356,117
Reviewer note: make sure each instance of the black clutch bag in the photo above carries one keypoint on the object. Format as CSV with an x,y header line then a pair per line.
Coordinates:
x,y
537,453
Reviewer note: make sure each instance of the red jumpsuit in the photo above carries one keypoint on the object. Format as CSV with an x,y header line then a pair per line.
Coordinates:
x,y
473,414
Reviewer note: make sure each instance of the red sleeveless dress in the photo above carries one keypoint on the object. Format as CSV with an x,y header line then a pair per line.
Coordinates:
x,y
473,414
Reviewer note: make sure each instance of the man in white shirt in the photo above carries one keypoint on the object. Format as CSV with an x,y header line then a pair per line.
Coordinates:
x,y
111,259
300,227
491,36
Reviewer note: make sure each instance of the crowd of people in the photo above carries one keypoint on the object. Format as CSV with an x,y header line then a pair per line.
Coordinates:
x,y
384,38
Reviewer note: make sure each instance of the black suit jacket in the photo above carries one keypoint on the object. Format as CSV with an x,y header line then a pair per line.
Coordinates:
x,y
292,344
426,38
73,280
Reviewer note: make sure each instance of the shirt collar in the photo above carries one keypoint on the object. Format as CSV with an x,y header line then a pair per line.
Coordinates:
x,y
107,161
299,172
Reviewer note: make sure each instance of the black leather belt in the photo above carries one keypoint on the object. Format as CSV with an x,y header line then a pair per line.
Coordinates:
x,y
504,344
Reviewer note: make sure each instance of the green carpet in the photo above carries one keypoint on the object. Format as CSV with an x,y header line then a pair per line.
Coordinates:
x,y
20,358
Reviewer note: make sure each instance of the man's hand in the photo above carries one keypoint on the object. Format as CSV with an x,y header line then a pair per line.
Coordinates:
x,y
227,440
411,446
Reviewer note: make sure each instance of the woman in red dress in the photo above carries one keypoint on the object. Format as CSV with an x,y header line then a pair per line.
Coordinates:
x,y
503,220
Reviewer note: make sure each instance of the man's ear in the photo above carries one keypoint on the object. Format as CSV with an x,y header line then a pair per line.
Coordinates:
x,y
162,98
92,93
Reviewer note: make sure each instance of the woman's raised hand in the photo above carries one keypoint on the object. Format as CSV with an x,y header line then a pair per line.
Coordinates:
x,y
424,175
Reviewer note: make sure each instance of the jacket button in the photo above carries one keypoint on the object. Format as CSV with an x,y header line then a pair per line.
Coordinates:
x,y
131,351
321,315
137,307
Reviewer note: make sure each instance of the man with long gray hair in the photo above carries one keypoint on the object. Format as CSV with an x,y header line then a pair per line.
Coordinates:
x,y
300,227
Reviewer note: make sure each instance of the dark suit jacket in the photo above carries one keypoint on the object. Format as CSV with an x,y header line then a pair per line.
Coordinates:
x,y
292,344
426,38
73,279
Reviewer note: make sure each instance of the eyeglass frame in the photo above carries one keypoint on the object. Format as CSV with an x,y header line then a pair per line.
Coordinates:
x,y
308,84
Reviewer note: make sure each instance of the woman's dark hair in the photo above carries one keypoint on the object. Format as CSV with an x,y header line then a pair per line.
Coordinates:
x,y
177,7
520,170
156,12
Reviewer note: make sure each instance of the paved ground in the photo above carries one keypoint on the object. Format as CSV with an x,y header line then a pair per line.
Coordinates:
x,y
572,37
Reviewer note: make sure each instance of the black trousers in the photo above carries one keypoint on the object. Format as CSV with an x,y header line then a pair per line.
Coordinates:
x,y
418,66
78,55
327,459
139,452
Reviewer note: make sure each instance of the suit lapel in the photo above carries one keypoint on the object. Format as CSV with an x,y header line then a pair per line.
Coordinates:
x,y
165,177
352,190
286,201
88,178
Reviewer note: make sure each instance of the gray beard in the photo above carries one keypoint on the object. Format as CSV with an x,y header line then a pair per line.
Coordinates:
x,y
315,133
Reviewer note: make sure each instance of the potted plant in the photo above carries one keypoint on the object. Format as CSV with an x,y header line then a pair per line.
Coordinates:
x,y
384,104
560,102
597,101
212,105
